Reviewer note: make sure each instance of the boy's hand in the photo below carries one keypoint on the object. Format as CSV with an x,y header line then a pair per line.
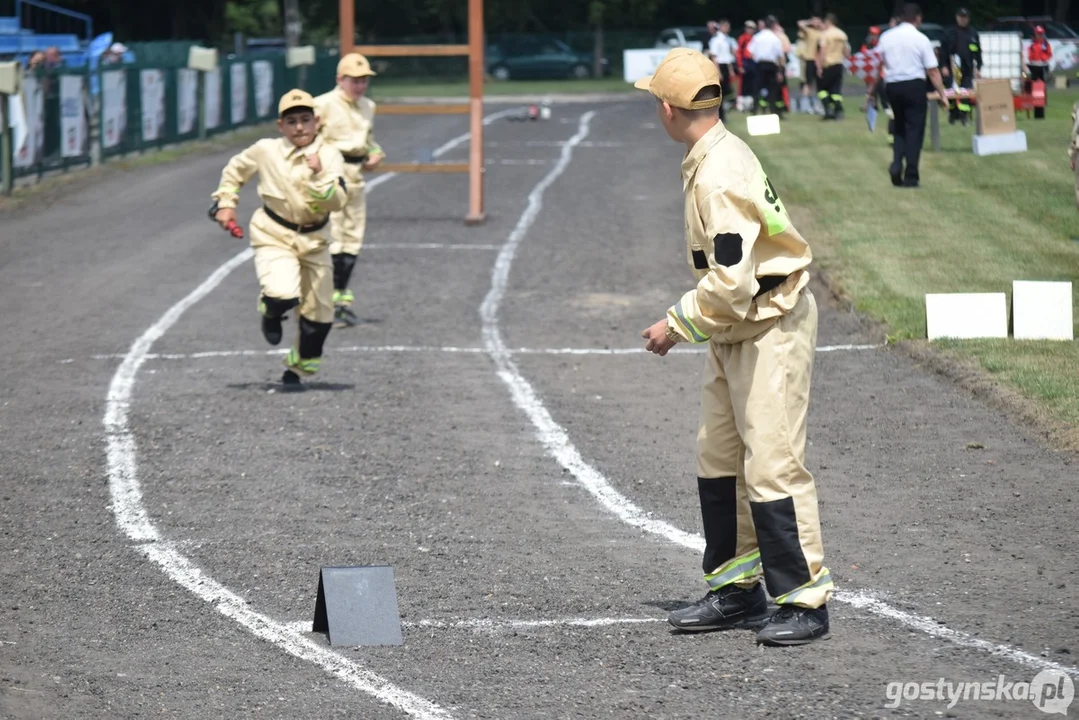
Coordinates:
x,y
658,342
373,160
224,216
314,162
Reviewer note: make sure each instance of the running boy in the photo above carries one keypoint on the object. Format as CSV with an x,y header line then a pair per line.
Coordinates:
x,y
300,183
753,309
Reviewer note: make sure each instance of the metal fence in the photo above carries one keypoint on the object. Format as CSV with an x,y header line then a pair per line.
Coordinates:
x,y
70,117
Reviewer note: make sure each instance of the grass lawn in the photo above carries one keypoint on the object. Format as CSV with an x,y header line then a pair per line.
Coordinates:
x,y
975,225
418,88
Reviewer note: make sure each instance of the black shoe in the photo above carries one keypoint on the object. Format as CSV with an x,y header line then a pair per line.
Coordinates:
x,y
727,608
897,180
344,317
271,329
793,625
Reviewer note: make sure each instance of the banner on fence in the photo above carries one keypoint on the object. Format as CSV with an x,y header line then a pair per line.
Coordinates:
x,y
187,100
213,98
238,86
262,73
73,116
113,107
152,89
30,129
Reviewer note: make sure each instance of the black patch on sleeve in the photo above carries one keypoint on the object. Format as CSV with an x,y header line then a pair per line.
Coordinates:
x,y
341,182
728,249
700,260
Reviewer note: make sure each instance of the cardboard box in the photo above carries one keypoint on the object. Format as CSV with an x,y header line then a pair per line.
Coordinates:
x,y
996,107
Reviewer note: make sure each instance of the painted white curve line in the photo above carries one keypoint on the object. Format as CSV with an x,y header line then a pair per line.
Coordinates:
x,y
444,349
125,493
865,601
551,435
304,626
555,439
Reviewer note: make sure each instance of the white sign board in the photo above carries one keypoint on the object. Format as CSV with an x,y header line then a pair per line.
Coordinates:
x,y
30,128
763,124
113,107
1042,310
152,96
187,100
637,64
966,315
262,74
73,116
238,93
212,93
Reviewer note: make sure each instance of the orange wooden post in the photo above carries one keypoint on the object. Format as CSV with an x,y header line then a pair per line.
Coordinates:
x,y
347,20
475,95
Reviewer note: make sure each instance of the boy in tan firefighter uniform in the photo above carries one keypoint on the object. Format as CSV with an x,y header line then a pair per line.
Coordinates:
x,y
300,183
348,122
753,311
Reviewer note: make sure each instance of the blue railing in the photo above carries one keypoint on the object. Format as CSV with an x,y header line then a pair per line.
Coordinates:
x,y
84,19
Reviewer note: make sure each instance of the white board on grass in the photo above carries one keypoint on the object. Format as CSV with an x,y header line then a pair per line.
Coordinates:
x,y
1042,310
966,315
763,124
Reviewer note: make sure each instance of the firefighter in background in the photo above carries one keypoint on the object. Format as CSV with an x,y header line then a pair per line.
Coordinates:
x,y
832,50
747,69
808,35
961,42
348,122
1038,58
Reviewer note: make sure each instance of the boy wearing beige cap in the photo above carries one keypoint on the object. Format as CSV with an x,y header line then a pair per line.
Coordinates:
x,y
753,310
348,123
300,183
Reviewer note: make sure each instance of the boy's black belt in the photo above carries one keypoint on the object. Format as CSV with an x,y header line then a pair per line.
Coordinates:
x,y
355,159
769,283
295,227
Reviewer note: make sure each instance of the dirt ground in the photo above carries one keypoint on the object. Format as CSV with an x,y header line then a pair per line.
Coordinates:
x,y
487,432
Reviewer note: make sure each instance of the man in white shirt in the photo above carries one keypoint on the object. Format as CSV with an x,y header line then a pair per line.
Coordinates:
x,y
721,50
908,57
766,49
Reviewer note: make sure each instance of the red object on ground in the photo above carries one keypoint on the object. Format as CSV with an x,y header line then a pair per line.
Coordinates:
x,y
1037,93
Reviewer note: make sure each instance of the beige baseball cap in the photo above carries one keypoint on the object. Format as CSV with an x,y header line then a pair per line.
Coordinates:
x,y
683,73
295,99
354,65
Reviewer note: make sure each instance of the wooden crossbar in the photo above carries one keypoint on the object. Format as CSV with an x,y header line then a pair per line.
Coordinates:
x,y
423,167
424,109
412,50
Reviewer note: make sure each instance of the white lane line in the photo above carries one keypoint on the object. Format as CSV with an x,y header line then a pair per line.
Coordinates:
x,y
558,143
304,626
444,349
429,246
131,517
556,440
551,435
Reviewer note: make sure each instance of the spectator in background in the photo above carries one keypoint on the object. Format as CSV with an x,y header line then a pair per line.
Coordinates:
x,y
748,68
53,58
766,48
114,55
36,61
1039,55
961,41
722,53
908,58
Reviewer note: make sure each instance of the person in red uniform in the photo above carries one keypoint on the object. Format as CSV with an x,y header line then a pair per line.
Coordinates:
x,y
1039,55
747,69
